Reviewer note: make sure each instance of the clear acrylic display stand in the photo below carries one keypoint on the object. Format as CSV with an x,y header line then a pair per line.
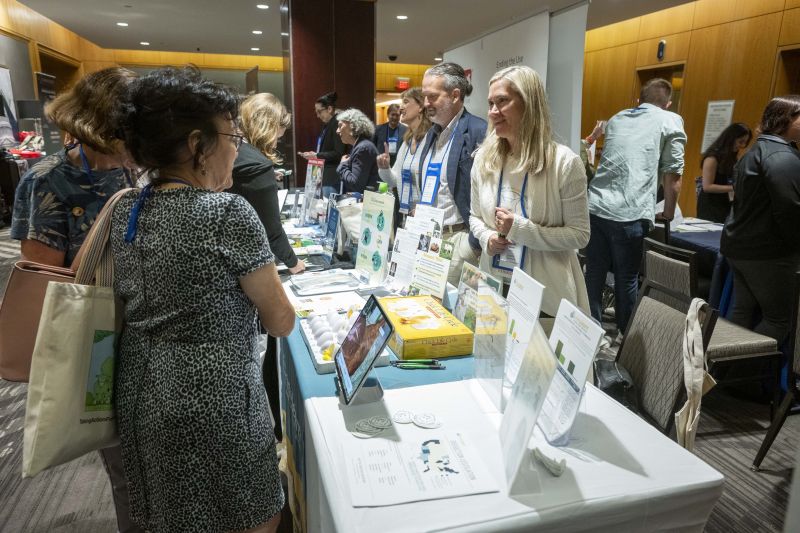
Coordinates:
x,y
489,345
371,391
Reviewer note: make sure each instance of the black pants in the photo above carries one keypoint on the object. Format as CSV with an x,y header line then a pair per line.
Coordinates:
x,y
269,371
765,287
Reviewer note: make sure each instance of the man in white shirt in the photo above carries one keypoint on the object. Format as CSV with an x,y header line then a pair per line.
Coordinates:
x,y
446,159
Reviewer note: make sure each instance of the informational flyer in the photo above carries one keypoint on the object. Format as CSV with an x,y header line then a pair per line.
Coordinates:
x,y
423,229
430,275
718,117
313,190
574,341
426,467
436,217
376,230
466,304
525,301
402,261
527,397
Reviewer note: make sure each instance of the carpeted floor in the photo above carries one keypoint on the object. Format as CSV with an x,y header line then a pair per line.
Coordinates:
x,y
76,497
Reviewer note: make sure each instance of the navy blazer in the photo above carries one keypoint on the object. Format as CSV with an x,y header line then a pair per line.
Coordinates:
x,y
361,170
470,132
382,136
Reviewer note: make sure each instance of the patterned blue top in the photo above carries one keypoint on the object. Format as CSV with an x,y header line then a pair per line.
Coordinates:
x,y
56,202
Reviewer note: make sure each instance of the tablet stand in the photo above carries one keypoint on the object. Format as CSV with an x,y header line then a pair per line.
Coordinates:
x,y
371,391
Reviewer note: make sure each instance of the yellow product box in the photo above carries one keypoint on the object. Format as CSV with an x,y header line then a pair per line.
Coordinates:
x,y
424,329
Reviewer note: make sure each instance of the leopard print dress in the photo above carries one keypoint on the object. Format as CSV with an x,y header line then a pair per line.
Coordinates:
x,y
197,442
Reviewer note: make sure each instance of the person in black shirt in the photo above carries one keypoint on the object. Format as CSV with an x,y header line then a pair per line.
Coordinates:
x,y
717,179
330,147
761,240
264,120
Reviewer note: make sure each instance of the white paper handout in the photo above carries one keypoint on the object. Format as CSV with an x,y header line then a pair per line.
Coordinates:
x,y
430,274
428,466
525,301
403,259
574,341
424,212
527,397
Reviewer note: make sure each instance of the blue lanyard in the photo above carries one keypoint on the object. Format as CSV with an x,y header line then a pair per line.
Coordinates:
x,y
521,194
413,154
445,152
321,136
88,169
147,192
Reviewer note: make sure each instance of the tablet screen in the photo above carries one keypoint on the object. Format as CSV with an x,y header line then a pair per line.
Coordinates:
x,y
361,347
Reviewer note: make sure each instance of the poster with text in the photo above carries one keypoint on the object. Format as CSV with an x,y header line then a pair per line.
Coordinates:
x,y
376,229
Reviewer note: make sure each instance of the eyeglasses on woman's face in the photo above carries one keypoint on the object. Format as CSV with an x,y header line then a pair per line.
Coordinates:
x,y
235,138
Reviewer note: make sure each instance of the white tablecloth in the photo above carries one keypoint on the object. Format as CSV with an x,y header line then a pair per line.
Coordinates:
x,y
622,474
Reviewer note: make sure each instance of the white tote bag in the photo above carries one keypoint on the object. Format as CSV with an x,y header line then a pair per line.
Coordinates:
x,y
69,411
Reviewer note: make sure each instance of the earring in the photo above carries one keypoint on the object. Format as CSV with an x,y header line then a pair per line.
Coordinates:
x,y
203,167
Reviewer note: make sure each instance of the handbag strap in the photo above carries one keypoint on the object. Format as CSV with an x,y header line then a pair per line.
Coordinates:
x,y
96,260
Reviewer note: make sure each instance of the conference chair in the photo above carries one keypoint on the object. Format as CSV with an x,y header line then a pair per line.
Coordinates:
x,y
730,344
652,352
793,393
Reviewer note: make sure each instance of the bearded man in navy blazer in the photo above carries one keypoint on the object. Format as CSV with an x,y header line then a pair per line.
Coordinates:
x,y
446,161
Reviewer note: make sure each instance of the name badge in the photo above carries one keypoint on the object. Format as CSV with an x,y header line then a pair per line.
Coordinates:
x,y
392,142
431,184
513,256
405,190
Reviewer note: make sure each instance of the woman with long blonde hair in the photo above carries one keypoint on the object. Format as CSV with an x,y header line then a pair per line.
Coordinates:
x,y
264,119
528,205
403,176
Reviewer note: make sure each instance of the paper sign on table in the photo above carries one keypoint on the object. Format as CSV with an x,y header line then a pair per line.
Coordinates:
x,y
466,304
430,275
403,259
525,301
436,217
376,230
574,341
519,420
313,190
426,466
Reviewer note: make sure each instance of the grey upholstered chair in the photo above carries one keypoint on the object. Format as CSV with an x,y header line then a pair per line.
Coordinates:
x,y
730,344
652,352
793,394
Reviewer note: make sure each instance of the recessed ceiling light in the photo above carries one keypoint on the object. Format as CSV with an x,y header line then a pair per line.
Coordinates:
x,y
284,34
437,58
262,6
402,17
254,49
144,43
257,32
123,24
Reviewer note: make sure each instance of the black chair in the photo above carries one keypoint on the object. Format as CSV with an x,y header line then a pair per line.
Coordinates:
x,y
730,344
652,352
793,394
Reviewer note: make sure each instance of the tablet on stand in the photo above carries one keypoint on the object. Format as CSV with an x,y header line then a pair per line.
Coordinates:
x,y
356,356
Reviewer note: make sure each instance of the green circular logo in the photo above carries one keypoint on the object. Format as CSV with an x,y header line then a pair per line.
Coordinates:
x,y
376,261
381,221
366,237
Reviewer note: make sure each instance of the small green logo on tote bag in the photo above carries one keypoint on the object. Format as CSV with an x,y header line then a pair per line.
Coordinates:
x,y
100,381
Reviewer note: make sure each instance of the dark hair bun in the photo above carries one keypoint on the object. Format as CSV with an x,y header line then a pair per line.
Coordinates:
x,y
468,91
328,100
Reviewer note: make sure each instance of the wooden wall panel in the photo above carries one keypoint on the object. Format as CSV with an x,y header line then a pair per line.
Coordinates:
x,y
790,27
673,20
792,4
732,61
677,49
712,12
624,32
608,80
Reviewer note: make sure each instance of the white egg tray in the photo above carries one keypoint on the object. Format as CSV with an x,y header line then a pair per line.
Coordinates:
x,y
327,367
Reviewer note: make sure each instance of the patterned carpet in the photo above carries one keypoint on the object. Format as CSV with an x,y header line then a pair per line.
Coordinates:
x,y
76,497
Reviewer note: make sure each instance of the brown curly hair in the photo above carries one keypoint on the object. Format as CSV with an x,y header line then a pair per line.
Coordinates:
x,y
89,111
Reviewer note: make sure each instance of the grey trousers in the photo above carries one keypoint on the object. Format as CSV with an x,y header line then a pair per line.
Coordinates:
x,y
112,461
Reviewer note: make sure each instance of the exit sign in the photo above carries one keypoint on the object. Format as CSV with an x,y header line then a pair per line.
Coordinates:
x,y
401,84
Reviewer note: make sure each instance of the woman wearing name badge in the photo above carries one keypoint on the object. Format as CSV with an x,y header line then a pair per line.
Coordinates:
x,y
403,176
358,170
329,145
716,182
194,272
529,206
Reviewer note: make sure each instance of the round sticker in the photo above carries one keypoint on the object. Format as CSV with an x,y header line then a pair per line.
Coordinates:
x,y
381,221
366,237
376,261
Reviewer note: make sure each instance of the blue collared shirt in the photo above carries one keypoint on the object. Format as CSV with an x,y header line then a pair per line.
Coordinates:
x,y
640,145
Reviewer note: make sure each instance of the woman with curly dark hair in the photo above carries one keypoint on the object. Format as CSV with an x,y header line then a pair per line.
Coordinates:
x,y
716,181
194,271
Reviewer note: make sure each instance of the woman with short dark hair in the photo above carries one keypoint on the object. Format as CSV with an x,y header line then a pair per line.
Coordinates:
x,y
716,181
194,271
329,146
761,240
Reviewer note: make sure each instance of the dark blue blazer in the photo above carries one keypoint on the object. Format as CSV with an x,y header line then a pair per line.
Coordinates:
x,y
470,132
361,170
382,136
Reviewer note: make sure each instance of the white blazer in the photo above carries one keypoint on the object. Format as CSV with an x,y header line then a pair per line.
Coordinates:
x,y
556,227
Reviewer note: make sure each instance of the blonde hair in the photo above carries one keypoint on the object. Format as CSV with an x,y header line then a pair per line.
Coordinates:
x,y
415,93
535,137
263,114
